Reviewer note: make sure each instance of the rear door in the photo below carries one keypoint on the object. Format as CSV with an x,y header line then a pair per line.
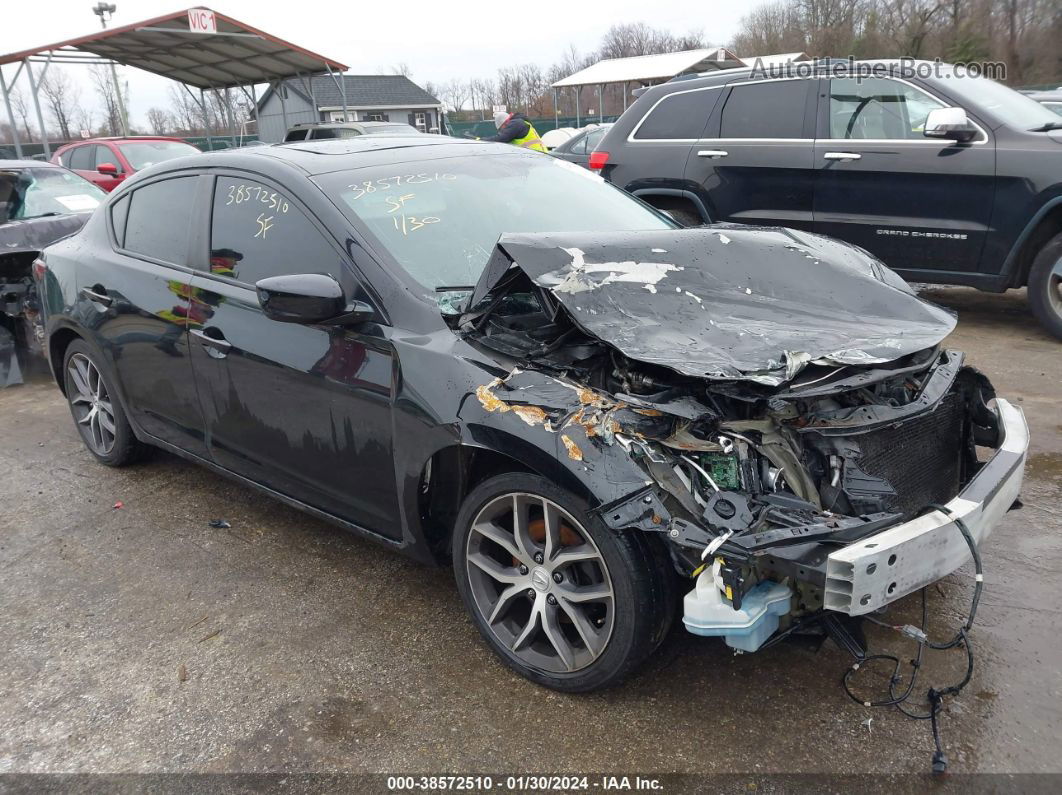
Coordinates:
x,y
302,409
656,149
921,204
82,160
134,300
755,164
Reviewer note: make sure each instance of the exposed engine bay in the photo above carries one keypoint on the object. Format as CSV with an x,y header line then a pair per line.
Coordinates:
x,y
762,472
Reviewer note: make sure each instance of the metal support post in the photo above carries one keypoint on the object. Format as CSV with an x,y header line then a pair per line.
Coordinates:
x,y
37,107
10,113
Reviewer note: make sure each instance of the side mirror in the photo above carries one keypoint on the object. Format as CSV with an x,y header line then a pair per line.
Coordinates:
x,y
301,298
108,168
949,123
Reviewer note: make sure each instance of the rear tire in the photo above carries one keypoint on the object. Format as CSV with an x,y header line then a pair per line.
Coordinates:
x,y
1045,286
98,413
564,601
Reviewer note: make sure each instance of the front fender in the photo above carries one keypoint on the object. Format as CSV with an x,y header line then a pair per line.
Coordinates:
x,y
567,433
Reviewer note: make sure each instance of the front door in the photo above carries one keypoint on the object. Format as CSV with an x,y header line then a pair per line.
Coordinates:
x,y
920,204
86,159
302,409
755,164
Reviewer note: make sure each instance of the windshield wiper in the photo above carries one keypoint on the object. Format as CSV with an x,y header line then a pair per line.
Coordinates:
x,y
1051,125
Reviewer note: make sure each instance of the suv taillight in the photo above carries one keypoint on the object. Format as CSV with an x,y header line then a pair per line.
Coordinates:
x,y
598,160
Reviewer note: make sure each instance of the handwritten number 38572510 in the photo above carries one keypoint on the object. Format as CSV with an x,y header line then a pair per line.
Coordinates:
x,y
238,194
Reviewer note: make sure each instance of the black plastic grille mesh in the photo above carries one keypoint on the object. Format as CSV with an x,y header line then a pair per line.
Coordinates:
x,y
920,458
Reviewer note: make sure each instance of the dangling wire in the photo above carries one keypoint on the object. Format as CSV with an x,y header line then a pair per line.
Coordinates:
x,y
934,696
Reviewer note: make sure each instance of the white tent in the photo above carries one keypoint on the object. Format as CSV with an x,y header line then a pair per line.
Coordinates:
x,y
649,69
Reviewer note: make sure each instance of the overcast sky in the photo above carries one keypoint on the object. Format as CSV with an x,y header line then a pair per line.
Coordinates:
x,y
438,40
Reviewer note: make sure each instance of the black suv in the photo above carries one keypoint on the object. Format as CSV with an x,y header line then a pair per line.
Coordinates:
x,y
947,178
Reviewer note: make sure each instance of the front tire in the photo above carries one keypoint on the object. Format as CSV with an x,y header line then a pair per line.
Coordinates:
x,y
1045,286
562,599
97,410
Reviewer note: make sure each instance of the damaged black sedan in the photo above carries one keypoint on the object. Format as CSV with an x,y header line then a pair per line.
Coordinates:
x,y
480,354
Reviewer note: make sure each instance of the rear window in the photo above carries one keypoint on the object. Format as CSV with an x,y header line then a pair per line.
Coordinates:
x,y
147,153
83,158
772,109
335,132
296,135
171,199
682,115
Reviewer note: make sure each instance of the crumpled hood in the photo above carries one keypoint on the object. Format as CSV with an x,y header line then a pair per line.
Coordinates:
x,y
727,302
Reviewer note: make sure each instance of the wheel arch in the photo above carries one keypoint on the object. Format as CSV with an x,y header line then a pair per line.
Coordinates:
x,y
673,198
58,341
450,474
1044,225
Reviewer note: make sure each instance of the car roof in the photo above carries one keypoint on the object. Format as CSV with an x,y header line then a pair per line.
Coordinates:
x,y
343,154
307,125
117,138
13,164
823,66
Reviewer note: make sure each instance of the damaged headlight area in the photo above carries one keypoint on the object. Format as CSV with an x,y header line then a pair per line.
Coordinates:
x,y
758,484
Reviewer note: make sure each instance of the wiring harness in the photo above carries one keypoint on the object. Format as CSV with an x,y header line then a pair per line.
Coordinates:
x,y
934,696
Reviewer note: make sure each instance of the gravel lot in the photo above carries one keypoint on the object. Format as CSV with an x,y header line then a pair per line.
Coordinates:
x,y
143,640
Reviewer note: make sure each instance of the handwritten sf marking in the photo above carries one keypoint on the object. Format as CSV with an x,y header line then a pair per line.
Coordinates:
x,y
396,203
264,225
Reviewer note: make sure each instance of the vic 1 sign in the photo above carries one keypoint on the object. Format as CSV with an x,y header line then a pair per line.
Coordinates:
x,y
201,20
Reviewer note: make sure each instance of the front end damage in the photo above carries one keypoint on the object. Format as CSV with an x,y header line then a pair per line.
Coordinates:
x,y
806,443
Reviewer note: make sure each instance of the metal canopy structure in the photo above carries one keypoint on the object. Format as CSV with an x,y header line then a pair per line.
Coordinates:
x,y
196,46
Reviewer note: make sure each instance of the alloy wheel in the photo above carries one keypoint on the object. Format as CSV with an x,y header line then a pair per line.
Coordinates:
x,y
91,404
540,583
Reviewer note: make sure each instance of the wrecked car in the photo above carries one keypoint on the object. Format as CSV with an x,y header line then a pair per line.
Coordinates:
x,y
39,203
486,356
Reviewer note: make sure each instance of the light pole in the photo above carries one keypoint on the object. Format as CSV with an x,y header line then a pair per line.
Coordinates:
x,y
104,12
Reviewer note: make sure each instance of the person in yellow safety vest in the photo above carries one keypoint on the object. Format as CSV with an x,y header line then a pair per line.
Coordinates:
x,y
516,129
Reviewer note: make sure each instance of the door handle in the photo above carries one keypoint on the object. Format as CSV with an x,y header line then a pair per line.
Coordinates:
x,y
97,298
216,347
842,156
712,153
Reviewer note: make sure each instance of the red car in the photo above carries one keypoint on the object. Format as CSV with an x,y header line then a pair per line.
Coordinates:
x,y
108,161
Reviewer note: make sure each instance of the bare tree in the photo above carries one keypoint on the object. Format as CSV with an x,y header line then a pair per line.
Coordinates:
x,y
401,68
485,93
159,120
455,93
185,112
62,96
103,85
21,109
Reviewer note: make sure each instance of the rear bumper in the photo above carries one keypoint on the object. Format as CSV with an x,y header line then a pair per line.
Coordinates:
x,y
885,567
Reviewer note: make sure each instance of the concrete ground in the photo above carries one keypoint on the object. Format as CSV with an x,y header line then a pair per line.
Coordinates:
x,y
140,639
